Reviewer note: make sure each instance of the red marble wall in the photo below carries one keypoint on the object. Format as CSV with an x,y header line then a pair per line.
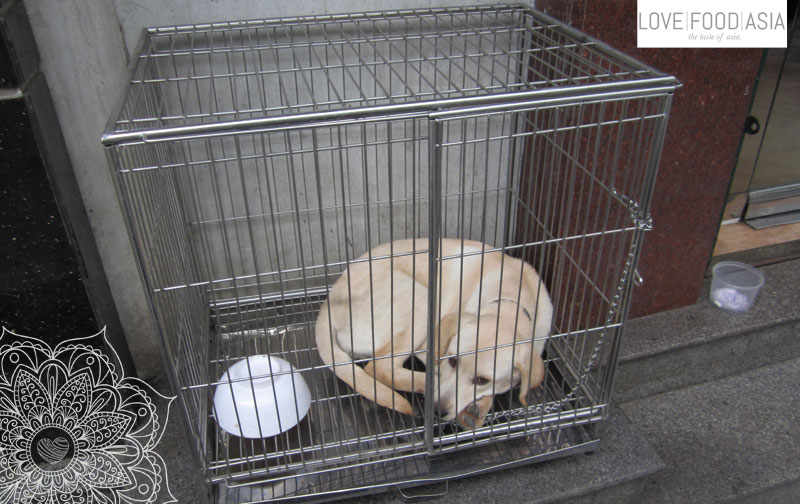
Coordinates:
x,y
699,154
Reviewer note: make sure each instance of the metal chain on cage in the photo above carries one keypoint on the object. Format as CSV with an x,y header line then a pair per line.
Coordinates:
x,y
612,313
537,410
643,222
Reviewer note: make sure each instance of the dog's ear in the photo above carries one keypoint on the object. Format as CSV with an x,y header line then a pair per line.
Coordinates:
x,y
445,330
531,372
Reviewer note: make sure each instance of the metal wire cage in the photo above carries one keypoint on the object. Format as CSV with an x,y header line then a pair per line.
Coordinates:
x,y
257,160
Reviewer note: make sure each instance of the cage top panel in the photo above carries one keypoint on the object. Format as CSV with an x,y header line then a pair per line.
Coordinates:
x,y
235,76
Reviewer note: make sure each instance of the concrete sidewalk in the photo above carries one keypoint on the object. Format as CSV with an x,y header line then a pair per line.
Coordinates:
x,y
726,440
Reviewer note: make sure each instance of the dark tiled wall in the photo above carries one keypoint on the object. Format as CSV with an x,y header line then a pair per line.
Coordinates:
x,y
700,150
52,283
41,292
42,279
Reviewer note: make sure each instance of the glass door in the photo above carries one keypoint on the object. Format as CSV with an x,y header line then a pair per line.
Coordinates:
x,y
765,190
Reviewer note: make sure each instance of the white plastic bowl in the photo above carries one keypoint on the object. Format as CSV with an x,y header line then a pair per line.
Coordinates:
x,y
257,400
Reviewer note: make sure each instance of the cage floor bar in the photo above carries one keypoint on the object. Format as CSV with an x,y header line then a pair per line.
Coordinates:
x,y
406,474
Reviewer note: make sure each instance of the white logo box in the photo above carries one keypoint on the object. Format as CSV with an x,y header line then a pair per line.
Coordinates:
x,y
711,23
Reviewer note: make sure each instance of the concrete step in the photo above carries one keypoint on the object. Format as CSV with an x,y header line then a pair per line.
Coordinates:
x,y
735,439
713,417
701,343
615,473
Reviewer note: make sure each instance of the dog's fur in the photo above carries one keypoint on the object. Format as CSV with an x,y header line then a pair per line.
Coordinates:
x,y
490,306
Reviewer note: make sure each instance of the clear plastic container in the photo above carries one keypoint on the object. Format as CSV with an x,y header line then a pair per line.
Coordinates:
x,y
735,285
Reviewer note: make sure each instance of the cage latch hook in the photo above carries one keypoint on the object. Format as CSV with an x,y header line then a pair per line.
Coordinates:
x,y
642,221
638,281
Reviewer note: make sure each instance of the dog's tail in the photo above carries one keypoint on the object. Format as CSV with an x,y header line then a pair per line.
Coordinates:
x,y
344,367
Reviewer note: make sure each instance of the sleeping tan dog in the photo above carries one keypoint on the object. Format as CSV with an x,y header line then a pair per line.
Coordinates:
x,y
494,316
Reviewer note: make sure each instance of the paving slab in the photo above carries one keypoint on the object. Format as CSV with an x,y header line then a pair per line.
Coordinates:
x,y
617,471
614,473
700,343
702,322
735,439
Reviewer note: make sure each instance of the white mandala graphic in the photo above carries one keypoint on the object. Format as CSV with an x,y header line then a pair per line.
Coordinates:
x,y
72,429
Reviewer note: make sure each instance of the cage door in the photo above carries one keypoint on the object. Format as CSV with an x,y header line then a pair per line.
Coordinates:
x,y
474,173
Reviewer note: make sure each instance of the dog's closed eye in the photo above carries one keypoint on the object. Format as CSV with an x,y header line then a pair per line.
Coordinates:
x,y
481,380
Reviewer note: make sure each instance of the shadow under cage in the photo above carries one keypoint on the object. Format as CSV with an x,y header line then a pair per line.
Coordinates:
x,y
257,161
